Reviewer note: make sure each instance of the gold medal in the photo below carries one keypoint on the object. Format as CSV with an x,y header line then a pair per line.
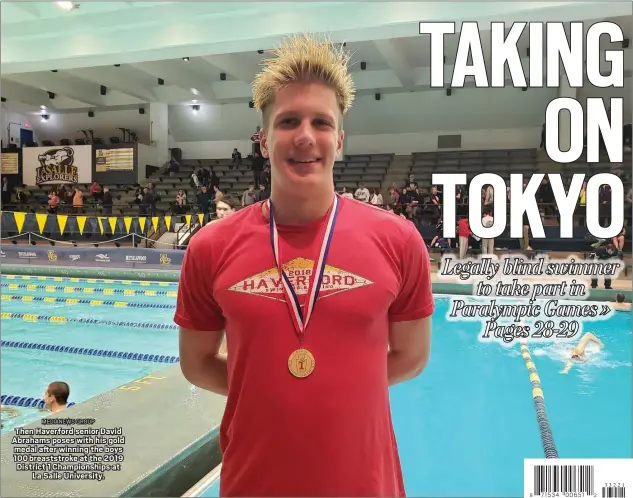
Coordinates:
x,y
301,363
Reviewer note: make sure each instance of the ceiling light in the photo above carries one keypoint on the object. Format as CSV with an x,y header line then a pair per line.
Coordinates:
x,y
43,107
195,92
66,5
186,59
194,101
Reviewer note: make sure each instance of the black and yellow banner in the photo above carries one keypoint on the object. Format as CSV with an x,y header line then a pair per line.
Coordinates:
x,y
97,225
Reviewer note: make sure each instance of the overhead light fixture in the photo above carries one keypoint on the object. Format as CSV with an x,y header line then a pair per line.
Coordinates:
x,y
195,109
194,101
195,92
45,117
186,59
66,5
43,107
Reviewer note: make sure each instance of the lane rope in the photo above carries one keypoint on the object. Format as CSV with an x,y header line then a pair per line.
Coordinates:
x,y
25,401
88,321
90,290
91,302
144,283
547,439
155,358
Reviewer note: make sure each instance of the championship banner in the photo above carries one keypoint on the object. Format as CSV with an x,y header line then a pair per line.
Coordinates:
x,y
9,164
68,164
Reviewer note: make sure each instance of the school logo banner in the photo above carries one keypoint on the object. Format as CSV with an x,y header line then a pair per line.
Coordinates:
x,y
57,165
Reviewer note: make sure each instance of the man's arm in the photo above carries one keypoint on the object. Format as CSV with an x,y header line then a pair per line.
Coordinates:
x,y
201,361
409,349
410,314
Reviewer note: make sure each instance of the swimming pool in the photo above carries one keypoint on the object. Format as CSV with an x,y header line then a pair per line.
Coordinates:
x,y
467,423
79,317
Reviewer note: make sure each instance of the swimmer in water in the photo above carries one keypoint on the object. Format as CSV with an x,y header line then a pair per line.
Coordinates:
x,y
578,353
619,304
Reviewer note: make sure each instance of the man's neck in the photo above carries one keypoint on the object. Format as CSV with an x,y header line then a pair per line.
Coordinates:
x,y
291,209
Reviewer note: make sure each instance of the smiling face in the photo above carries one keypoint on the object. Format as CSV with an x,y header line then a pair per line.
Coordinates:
x,y
302,136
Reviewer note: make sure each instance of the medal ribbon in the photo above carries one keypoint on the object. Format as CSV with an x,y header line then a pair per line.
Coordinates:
x,y
300,321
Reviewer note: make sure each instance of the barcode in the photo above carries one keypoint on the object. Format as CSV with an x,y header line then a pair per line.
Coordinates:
x,y
564,479
613,492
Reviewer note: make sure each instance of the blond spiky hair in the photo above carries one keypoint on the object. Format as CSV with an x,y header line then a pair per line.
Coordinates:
x,y
304,58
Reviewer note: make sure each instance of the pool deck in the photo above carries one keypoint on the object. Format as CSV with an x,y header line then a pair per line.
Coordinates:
x,y
170,442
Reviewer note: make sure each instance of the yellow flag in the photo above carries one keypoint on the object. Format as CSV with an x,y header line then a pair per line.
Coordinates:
x,y
141,223
167,222
19,220
128,223
188,219
201,218
112,221
81,223
61,221
41,221
155,223
100,221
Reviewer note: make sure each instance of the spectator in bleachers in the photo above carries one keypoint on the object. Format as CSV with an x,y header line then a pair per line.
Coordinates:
x,y
346,193
107,201
545,196
68,196
265,176
461,201
249,196
435,200
217,194
604,197
78,201
411,181
628,204
204,200
236,157
21,196
224,208
487,245
524,243
144,202
174,166
256,139
6,191
214,181
488,195
181,202
258,167
376,197
463,234
263,193
53,202
204,176
362,194
95,191
618,242
195,181
393,196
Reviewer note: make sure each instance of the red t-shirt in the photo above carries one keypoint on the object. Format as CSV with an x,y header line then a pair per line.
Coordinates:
x,y
463,228
329,434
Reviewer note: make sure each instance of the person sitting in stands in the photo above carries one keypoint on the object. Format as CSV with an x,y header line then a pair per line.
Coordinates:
x,y
56,396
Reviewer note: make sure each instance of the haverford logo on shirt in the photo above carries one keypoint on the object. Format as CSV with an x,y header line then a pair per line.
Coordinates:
x,y
268,284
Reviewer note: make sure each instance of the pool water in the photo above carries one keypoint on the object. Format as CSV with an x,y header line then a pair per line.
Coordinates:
x,y
467,423
27,372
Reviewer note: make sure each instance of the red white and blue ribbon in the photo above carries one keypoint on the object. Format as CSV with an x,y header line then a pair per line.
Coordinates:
x,y
299,318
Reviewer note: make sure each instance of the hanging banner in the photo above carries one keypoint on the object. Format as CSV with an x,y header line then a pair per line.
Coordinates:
x,y
19,220
61,221
70,164
41,221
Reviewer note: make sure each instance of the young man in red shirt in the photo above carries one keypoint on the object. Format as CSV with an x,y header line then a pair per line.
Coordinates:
x,y
310,354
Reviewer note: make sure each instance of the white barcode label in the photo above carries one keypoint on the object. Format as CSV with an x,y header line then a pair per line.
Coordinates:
x,y
578,477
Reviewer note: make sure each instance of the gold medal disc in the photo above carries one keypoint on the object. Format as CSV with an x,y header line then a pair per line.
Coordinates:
x,y
301,363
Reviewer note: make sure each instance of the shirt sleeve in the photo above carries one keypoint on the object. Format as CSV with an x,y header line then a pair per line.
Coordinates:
x,y
415,299
196,309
